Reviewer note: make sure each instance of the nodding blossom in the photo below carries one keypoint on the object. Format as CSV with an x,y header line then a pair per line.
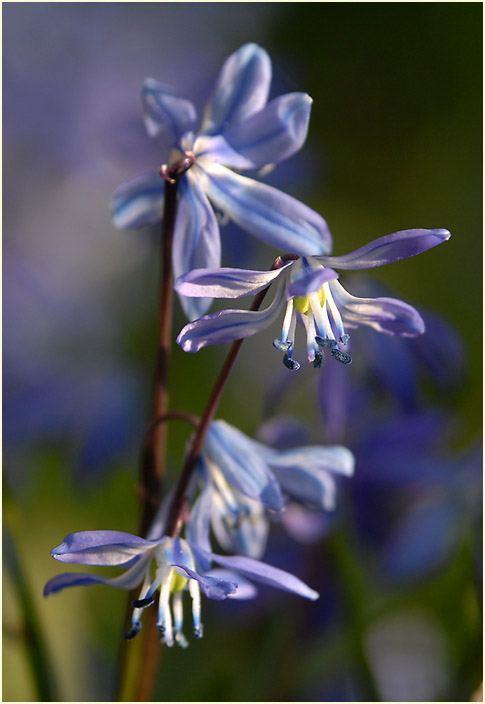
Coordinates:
x,y
308,290
240,130
242,477
181,566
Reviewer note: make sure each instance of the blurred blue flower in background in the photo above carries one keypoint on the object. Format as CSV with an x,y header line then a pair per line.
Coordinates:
x,y
414,497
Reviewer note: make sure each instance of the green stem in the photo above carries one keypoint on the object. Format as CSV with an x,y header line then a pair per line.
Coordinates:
x,y
355,594
35,646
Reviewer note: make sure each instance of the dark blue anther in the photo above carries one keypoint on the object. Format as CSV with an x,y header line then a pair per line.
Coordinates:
x,y
319,357
325,341
290,363
198,631
141,603
282,346
341,356
134,630
344,339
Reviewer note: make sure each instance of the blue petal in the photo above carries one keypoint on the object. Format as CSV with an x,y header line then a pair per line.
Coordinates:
x,y
138,202
196,243
268,137
317,488
332,458
213,587
267,213
306,473
243,530
241,89
266,574
178,552
128,580
167,117
245,589
198,525
308,279
229,325
226,282
102,547
382,314
243,468
388,249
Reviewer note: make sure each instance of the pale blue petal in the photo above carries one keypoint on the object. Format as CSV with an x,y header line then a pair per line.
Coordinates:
x,y
178,552
250,534
198,526
267,213
229,325
266,574
331,458
128,580
388,249
268,137
196,243
245,589
241,89
102,547
316,488
243,468
387,315
167,117
226,282
213,587
305,473
251,537
310,280
139,202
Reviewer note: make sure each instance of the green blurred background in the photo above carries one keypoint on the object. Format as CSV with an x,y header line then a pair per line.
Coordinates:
x,y
395,142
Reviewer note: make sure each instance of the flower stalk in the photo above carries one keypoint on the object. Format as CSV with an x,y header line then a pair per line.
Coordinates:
x,y
154,452
139,685
174,523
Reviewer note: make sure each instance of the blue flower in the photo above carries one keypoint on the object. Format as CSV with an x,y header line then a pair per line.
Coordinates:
x,y
180,566
240,130
241,477
309,288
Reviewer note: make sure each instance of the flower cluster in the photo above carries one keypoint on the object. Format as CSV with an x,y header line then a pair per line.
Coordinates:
x,y
239,479
239,131
237,483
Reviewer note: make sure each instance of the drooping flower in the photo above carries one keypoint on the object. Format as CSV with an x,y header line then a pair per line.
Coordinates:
x,y
180,566
240,130
245,477
309,287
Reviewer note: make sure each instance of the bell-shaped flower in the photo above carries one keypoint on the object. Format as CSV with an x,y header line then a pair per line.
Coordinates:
x,y
180,567
242,477
308,289
240,130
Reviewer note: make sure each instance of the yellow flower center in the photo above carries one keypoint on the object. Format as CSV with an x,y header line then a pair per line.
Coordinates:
x,y
302,303
177,582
